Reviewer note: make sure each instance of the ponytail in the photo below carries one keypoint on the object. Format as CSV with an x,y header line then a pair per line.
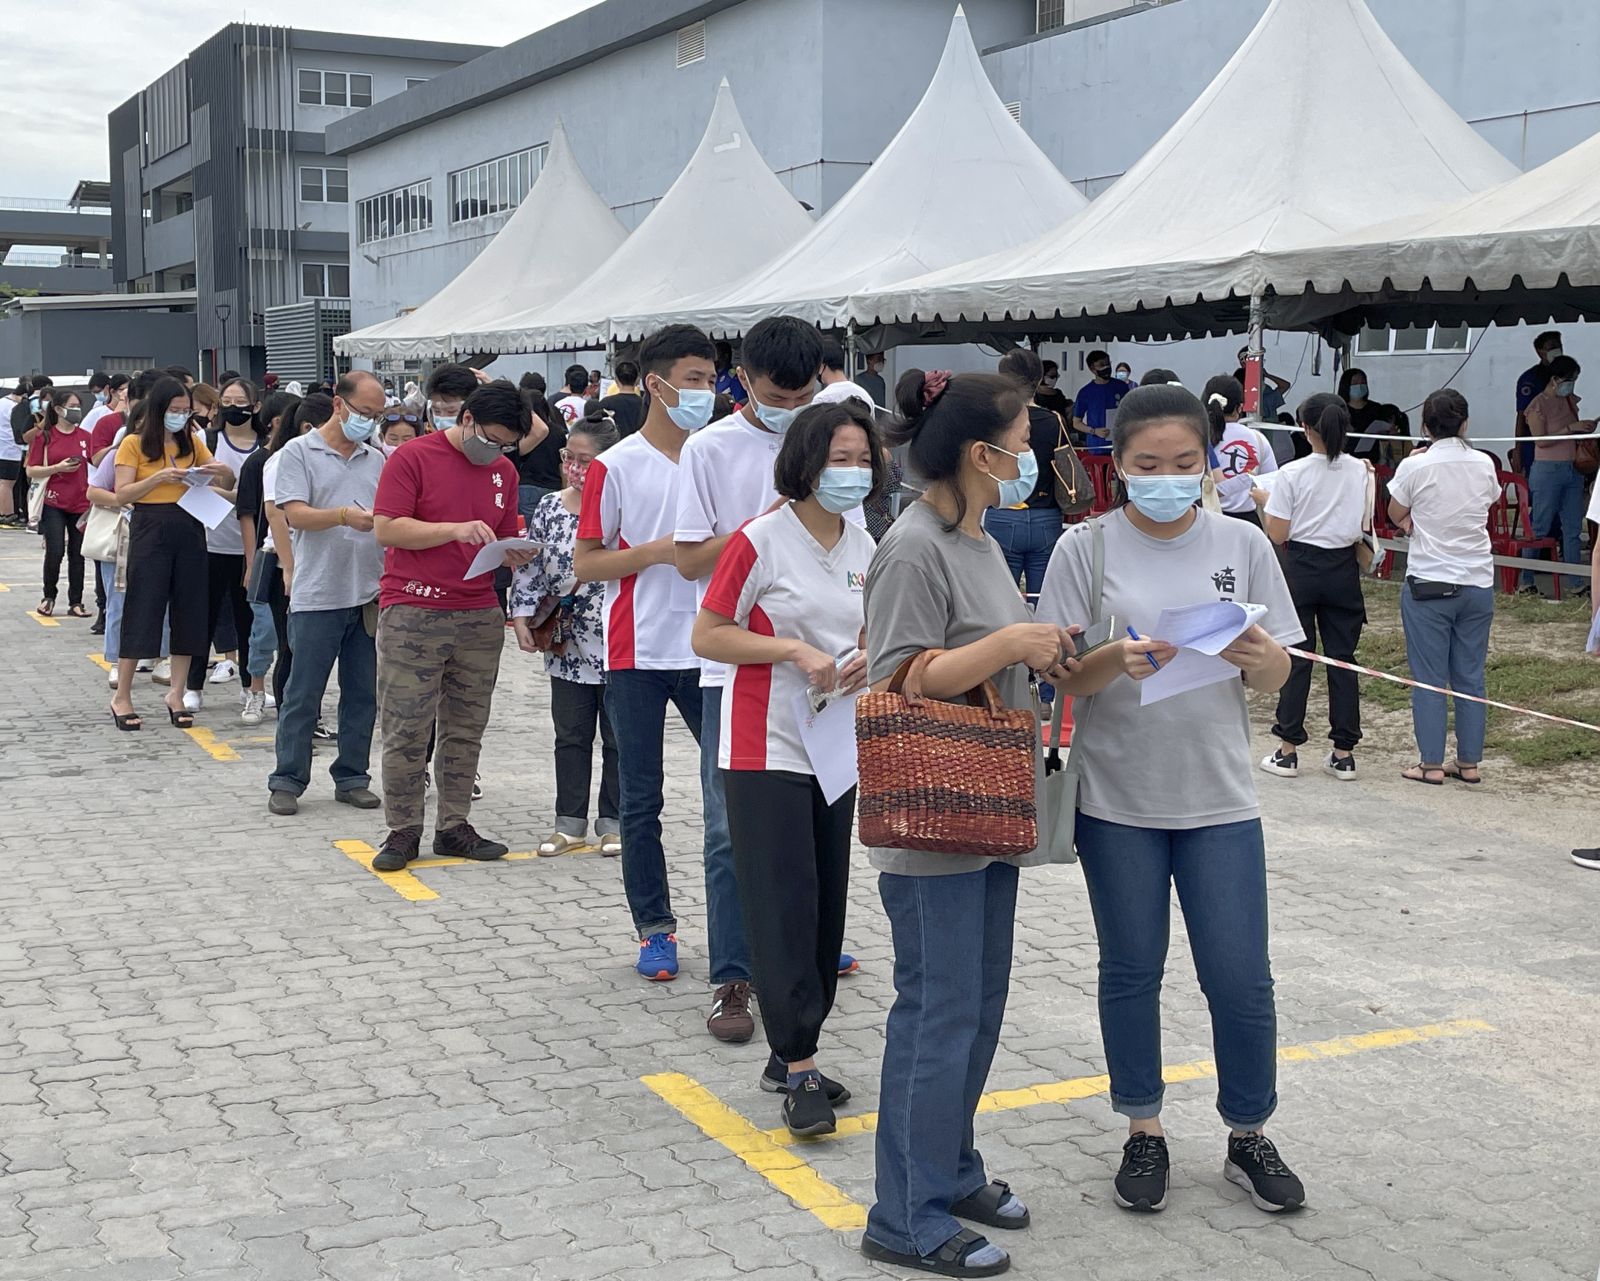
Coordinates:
x,y
1223,396
1328,416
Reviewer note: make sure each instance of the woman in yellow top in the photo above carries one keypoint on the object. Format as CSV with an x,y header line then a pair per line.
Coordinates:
x,y
167,568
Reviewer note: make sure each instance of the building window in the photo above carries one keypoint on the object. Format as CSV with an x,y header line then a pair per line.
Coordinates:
x,y
395,213
335,89
324,186
692,44
494,186
324,280
125,364
1414,340
413,81
1052,14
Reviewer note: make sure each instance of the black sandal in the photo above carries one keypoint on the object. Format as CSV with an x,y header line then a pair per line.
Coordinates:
x,y
1421,776
1453,770
128,722
983,1206
183,719
948,1260
77,611
47,608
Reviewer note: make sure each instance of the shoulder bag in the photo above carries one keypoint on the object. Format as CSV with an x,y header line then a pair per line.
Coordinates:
x,y
949,778
1074,491
1369,555
1058,788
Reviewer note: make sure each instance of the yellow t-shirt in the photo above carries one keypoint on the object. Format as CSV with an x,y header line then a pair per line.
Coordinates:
x,y
129,454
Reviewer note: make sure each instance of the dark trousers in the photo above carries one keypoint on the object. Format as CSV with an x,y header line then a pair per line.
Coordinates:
x,y
279,601
323,638
225,586
19,490
791,852
1326,585
167,575
577,710
62,536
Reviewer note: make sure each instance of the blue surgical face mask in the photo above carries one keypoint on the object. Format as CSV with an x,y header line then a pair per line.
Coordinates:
x,y
175,422
772,418
694,408
1016,491
1163,499
100,398
1566,388
444,422
1358,391
358,427
839,489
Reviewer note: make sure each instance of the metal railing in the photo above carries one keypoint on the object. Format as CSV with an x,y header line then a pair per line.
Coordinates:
x,y
37,203
53,260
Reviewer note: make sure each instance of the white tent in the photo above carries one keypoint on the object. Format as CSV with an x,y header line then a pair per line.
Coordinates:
x,y
1316,125
726,214
959,176
542,251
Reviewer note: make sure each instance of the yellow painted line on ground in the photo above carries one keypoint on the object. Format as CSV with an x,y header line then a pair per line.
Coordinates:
x,y
5,587
1085,1087
99,661
790,1174
214,747
42,620
406,885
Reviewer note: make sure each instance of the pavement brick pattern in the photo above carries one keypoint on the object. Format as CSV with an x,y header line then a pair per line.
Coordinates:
x,y
227,1051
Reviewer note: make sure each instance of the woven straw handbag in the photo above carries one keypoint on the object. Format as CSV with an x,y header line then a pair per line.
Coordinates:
x,y
950,778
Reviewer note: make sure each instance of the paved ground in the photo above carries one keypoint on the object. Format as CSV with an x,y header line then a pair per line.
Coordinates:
x,y
227,1050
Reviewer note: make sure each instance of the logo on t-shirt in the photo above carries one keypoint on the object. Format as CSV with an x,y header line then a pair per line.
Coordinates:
x,y
1225,581
1238,457
854,581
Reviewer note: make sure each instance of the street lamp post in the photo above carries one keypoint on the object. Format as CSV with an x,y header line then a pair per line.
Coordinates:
x,y
223,311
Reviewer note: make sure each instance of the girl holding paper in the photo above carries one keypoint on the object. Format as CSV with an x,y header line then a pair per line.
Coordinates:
x,y
784,611
1166,796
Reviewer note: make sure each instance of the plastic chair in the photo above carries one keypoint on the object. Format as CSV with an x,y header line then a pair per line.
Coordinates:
x,y
1103,475
1511,531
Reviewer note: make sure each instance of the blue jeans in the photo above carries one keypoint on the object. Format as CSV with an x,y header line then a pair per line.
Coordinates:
x,y
320,638
1221,876
263,640
952,971
1447,642
730,950
636,701
1557,500
107,570
528,497
1027,538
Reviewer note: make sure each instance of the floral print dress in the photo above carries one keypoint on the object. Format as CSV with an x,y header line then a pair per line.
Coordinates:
x,y
549,582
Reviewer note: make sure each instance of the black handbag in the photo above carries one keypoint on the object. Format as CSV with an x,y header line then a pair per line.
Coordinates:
x,y
1074,491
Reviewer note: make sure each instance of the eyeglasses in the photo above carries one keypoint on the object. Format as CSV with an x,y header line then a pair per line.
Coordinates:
x,y
394,416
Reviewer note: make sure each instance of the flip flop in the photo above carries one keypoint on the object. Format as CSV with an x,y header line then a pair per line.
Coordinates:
x,y
1422,776
46,608
77,611
1453,770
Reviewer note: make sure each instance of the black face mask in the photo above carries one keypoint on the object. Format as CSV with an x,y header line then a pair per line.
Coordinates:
x,y
1102,373
235,415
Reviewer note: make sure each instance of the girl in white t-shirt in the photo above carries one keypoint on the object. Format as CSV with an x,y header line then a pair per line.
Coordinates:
x,y
1317,511
784,612
1242,452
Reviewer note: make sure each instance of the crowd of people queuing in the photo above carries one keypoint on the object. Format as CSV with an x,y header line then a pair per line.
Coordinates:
x,y
723,535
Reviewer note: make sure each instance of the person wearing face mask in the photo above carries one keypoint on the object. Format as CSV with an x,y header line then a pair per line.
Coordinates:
x,y
625,540
538,461
236,434
938,581
800,570
871,381
554,614
448,388
325,484
1027,530
1366,414
1200,829
440,633
58,458
166,566
1094,411
1531,382
1556,484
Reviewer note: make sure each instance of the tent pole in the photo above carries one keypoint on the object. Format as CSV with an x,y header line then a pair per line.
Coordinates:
x,y
1253,358
852,346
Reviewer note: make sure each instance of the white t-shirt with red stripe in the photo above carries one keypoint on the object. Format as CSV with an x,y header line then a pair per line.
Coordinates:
x,y
631,498
775,579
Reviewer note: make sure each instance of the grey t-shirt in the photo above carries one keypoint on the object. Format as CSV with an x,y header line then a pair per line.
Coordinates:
x,y
334,568
929,589
1184,762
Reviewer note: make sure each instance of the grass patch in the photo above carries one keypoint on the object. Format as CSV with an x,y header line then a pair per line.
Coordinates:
x,y
1552,745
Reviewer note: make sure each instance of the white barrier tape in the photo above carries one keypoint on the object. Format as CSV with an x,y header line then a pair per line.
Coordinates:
x,y
1532,564
1401,680
1263,425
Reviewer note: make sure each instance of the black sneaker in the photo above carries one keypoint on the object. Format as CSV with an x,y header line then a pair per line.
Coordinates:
x,y
1254,1164
775,1080
1587,858
1529,590
807,1112
461,841
1141,1183
1342,768
321,733
1283,764
399,848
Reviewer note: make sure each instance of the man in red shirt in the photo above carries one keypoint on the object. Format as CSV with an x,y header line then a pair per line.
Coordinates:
x,y
441,497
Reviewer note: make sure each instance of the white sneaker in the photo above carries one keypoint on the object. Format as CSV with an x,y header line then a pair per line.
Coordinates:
x,y
193,700
163,674
477,787
1283,764
1342,768
145,665
223,672
254,709
111,677
272,703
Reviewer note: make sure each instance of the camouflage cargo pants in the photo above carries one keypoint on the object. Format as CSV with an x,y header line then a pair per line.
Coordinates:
x,y
434,665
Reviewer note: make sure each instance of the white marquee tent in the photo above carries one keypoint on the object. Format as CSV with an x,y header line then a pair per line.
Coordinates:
x,y
725,215
1315,125
960,175
544,248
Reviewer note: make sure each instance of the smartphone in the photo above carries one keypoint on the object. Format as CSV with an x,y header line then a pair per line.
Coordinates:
x,y
1095,635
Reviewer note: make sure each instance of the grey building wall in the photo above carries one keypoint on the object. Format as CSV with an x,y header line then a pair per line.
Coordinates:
x,y
73,341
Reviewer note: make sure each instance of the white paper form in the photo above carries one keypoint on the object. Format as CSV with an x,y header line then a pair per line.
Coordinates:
x,y
829,737
197,478
205,504
491,555
1200,632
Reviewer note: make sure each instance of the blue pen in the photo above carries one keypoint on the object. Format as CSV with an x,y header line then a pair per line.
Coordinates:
x,y
1150,657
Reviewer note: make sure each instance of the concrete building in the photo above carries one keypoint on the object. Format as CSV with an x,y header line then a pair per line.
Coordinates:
x,y
72,336
824,84
57,246
220,182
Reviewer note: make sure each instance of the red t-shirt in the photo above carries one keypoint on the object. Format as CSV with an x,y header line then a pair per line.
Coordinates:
x,y
105,431
68,490
455,490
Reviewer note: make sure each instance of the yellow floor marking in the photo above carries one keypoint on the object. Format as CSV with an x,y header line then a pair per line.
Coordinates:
x,y
43,620
790,1174
99,661
404,883
213,746
5,587
1085,1087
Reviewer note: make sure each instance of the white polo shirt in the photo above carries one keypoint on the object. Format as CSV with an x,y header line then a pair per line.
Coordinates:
x,y
1449,489
1323,502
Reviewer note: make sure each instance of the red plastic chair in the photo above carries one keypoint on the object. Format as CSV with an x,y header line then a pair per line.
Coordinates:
x,y
1103,475
1511,531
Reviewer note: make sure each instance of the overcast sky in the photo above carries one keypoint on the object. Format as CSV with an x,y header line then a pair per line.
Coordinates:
x,y
59,85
